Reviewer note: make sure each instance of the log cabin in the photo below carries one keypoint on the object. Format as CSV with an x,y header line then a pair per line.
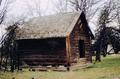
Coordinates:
x,y
60,39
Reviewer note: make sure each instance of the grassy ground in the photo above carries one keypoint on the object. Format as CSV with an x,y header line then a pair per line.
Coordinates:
x,y
109,68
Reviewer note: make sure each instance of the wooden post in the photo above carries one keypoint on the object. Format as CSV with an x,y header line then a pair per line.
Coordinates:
x,y
68,52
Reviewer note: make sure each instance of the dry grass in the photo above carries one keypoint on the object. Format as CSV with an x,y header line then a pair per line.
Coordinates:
x,y
109,68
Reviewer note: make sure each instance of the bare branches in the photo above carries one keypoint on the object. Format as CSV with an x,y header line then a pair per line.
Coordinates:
x,y
87,6
8,46
109,13
117,4
106,35
118,17
3,8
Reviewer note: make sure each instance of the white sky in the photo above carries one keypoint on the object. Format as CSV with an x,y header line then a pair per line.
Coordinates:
x,y
20,9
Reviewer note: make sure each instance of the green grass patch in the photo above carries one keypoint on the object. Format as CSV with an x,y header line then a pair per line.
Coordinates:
x,y
109,61
109,68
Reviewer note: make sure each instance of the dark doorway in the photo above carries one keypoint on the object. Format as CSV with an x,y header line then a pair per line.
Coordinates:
x,y
81,48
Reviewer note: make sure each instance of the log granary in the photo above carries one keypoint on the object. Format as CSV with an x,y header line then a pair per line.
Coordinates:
x,y
61,39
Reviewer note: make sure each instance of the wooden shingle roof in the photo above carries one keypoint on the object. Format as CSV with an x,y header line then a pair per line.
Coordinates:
x,y
59,25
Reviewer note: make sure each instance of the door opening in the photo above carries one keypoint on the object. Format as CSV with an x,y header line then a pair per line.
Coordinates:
x,y
81,48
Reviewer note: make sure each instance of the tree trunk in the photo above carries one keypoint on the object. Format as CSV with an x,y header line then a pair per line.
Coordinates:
x,y
11,61
18,61
98,54
6,63
1,58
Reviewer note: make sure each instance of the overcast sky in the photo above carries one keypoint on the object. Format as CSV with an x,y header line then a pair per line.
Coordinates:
x,y
23,8
20,9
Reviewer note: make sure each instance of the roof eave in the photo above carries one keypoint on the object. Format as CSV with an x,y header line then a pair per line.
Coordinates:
x,y
76,18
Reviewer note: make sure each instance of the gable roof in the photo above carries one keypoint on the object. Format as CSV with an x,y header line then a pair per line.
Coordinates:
x,y
87,27
59,25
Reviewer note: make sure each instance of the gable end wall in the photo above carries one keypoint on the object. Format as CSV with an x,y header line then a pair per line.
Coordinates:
x,y
77,34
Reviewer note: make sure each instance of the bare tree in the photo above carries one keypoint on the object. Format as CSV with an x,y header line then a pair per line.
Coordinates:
x,y
87,6
117,4
107,15
8,47
118,18
2,15
4,53
3,8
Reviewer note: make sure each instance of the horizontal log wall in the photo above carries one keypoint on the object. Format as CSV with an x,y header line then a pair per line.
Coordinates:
x,y
36,58
39,56
77,34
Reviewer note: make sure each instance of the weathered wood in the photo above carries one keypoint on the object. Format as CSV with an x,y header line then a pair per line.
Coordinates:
x,y
77,34
68,49
66,53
